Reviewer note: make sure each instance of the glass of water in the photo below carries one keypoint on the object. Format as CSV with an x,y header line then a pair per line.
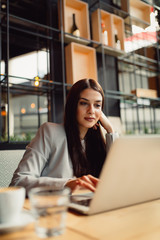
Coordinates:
x,y
49,208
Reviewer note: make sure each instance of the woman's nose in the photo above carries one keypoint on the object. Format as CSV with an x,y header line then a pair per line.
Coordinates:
x,y
91,108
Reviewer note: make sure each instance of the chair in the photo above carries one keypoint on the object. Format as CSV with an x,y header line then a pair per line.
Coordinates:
x,y
9,160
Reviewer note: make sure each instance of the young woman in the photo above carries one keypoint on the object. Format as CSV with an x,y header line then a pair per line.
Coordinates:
x,y
70,154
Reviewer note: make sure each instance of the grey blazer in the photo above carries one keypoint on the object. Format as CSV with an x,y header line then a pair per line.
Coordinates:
x,y
46,161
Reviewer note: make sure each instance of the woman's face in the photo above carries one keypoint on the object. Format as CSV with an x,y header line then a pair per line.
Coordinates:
x,y
89,110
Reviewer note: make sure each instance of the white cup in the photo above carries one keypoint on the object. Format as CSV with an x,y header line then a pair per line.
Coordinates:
x,y
11,203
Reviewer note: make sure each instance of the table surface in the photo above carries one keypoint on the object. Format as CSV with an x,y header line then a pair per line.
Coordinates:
x,y
136,222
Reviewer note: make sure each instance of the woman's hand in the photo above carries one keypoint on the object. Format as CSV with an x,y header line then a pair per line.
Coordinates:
x,y
87,181
106,124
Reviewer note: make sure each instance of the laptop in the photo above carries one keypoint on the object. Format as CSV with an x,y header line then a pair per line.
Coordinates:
x,y
130,175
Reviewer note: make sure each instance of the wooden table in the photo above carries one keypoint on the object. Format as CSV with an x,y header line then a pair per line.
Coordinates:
x,y
131,223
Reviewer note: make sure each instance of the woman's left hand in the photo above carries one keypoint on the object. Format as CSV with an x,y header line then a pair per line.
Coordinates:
x,y
86,181
106,124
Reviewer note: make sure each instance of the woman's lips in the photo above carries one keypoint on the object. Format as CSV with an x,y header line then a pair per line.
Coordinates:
x,y
89,119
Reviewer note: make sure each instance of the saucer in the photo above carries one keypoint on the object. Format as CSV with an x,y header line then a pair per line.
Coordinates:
x,y
24,219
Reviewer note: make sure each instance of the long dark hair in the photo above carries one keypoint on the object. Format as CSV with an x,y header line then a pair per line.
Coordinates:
x,y
92,160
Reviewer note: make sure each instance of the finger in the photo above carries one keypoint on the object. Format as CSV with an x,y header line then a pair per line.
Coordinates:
x,y
94,128
90,179
86,178
87,185
93,179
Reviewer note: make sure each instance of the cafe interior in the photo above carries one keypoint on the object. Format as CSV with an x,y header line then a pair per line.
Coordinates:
x,y
48,45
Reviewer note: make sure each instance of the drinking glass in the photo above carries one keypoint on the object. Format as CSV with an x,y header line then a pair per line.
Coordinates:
x,y
49,207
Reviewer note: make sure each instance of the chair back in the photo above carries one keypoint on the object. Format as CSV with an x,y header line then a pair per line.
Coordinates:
x,y
9,160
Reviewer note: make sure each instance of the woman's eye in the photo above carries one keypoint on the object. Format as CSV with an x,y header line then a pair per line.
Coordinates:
x,y
83,103
97,105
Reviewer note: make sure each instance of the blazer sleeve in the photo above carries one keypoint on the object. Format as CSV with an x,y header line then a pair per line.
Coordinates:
x,y
110,138
29,171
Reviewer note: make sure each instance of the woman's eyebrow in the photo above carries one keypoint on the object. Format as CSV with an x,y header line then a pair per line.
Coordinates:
x,y
88,100
84,99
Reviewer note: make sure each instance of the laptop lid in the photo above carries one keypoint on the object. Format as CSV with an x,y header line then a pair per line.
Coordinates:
x,y
130,175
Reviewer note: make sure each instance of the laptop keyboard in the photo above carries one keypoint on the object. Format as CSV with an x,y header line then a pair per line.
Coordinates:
x,y
84,202
82,199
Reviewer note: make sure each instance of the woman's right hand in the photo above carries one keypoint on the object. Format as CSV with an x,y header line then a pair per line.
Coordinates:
x,y
87,182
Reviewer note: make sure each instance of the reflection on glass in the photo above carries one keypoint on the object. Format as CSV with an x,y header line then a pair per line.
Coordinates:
x,y
27,66
27,109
